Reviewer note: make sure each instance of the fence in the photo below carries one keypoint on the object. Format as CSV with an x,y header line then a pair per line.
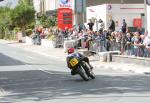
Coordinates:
x,y
125,48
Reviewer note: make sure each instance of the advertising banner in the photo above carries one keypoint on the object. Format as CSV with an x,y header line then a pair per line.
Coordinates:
x,y
65,19
137,22
65,4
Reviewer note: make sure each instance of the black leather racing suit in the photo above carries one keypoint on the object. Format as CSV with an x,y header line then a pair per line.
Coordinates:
x,y
80,57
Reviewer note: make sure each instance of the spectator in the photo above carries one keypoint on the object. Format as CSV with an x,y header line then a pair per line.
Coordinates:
x,y
124,26
123,41
101,25
66,32
118,41
111,25
128,46
136,42
91,24
147,46
38,33
112,41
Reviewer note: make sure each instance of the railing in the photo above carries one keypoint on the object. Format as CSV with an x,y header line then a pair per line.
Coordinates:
x,y
125,48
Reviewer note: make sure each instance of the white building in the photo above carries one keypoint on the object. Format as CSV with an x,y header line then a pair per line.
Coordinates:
x,y
117,12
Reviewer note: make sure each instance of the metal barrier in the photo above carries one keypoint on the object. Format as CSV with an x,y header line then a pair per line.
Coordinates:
x,y
58,41
125,49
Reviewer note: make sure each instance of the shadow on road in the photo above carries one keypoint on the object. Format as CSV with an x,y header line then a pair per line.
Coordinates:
x,y
8,61
38,86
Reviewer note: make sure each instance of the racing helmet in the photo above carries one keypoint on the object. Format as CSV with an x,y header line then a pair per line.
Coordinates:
x,y
70,50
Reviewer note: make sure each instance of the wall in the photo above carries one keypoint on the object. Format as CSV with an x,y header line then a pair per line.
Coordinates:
x,y
125,11
117,12
50,5
98,12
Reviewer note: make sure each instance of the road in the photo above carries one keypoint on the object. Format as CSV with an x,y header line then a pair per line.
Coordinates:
x,y
26,77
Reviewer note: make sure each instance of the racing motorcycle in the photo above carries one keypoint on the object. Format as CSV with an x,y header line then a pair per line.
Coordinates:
x,y
82,68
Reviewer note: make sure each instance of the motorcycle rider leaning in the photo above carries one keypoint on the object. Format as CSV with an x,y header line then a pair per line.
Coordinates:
x,y
71,53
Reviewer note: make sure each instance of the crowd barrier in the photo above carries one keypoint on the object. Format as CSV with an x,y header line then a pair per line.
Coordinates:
x,y
125,48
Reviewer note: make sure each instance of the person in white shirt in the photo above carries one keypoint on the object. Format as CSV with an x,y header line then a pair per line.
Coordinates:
x,y
147,46
101,25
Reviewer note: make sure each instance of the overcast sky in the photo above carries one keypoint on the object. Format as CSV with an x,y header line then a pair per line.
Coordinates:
x,y
10,2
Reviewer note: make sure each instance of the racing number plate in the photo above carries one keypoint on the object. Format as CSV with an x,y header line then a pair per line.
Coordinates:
x,y
73,62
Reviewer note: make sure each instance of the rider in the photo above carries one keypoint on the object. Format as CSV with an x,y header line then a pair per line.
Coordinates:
x,y
72,53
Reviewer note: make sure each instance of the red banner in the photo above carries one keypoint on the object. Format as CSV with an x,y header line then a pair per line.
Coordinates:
x,y
137,22
65,18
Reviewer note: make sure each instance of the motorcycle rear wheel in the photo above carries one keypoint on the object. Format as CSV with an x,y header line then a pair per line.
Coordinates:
x,y
82,73
89,72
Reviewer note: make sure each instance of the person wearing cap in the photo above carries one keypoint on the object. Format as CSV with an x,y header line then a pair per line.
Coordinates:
x,y
71,53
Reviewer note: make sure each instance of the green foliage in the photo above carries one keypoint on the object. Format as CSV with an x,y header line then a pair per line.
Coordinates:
x,y
22,15
28,32
4,20
47,21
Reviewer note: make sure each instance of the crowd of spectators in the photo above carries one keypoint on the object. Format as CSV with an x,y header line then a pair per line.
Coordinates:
x,y
129,43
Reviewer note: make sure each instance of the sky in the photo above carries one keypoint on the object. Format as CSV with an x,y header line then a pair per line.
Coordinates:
x,y
10,2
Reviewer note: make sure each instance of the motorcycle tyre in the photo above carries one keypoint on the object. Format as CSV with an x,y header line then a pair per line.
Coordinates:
x,y
83,75
89,72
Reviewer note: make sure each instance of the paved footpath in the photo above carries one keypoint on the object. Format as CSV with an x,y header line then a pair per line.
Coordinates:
x,y
59,53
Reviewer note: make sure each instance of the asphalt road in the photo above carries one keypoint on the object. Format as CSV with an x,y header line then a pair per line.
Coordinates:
x,y
27,77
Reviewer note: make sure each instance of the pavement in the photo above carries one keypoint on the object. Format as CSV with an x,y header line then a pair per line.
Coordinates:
x,y
58,53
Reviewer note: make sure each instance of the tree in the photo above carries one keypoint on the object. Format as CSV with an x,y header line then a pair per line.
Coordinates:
x,y
5,21
48,20
23,15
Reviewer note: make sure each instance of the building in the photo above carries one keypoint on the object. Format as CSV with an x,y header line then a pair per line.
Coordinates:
x,y
98,2
78,7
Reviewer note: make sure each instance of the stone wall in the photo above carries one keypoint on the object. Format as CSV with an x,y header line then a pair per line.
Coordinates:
x,y
131,60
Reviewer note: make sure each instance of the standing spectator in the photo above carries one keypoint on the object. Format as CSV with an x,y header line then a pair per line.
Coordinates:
x,y
112,41
128,46
147,46
118,41
123,41
66,32
38,33
124,26
91,24
111,25
136,43
101,25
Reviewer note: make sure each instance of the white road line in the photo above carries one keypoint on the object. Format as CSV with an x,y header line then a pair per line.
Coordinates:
x,y
45,71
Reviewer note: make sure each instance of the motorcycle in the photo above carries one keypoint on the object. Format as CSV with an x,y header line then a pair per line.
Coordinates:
x,y
82,68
